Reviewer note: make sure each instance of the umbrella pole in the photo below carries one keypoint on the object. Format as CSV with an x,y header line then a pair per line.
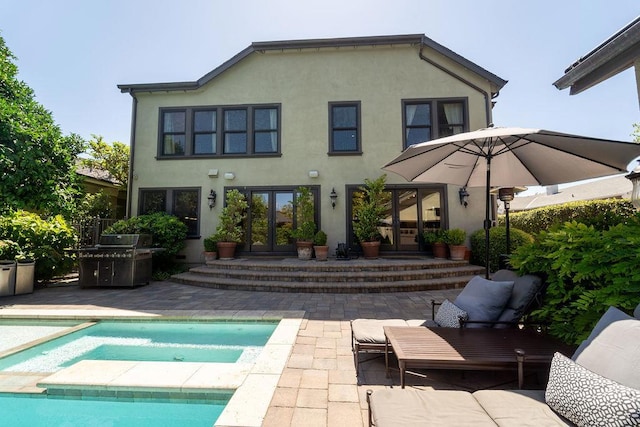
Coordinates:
x,y
487,221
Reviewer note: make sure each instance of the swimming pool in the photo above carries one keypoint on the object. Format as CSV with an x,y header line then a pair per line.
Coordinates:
x,y
168,341
44,411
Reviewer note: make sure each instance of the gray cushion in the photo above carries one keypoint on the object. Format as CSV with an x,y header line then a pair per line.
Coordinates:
x,y
428,323
484,299
589,399
524,291
615,353
415,408
370,330
449,315
611,315
636,312
518,408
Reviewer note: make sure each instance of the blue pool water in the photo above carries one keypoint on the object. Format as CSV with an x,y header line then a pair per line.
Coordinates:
x,y
176,341
41,411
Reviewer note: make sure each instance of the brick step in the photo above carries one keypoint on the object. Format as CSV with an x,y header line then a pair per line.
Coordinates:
x,y
331,276
196,279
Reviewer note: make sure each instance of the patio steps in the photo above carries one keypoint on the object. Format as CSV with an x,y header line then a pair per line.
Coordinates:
x,y
353,276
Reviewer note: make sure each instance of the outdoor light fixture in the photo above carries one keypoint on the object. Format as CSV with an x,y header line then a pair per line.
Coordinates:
x,y
313,174
333,196
229,176
506,195
212,199
634,177
464,196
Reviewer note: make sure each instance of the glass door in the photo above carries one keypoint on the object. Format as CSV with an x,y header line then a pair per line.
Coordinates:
x,y
270,221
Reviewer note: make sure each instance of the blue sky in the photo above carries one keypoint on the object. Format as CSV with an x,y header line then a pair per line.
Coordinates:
x,y
73,53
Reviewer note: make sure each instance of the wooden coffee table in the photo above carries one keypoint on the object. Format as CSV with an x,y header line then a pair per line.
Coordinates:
x,y
469,349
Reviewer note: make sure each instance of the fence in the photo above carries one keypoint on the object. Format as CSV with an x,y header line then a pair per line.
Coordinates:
x,y
90,229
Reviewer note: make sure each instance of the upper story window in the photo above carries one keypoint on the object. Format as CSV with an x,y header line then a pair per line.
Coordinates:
x,y
425,120
184,203
219,131
344,122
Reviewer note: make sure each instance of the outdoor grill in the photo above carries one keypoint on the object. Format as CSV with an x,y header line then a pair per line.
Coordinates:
x,y
117,260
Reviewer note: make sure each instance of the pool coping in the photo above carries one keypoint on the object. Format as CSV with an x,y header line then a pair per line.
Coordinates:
x,y
256,383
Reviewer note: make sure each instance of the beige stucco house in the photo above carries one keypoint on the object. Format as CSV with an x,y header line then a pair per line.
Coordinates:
x,y
319,113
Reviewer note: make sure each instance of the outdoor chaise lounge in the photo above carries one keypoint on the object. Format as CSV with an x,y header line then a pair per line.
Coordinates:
x,y
599,385
500,302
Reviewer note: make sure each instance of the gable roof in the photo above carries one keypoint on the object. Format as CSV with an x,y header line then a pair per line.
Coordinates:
x,y
412,39
613,56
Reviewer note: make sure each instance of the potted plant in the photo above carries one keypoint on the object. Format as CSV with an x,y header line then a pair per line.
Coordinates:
x,y
320,246
455,238
210,248
230,230
369,209
435,238
305,230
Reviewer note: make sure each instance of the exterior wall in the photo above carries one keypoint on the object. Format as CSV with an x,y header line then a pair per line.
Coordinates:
x,y
636,66
304,82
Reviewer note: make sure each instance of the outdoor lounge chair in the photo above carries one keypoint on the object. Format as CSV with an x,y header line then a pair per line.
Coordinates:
x,y
500,302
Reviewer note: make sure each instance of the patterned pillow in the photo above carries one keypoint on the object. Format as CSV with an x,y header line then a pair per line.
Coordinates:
x,y
589,399
448,315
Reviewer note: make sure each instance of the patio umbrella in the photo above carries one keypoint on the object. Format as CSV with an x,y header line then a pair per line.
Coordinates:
x,y
508,157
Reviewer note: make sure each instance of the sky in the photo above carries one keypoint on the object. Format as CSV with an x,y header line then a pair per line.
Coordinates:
x,y
74,53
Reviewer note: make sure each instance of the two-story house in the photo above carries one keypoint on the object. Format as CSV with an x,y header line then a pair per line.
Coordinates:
x,y
325,114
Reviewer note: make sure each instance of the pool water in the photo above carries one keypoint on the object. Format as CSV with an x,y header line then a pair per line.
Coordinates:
x,y
174,341
40,411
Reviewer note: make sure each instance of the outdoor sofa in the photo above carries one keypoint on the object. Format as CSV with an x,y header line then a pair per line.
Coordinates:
x,y
500,302
598,385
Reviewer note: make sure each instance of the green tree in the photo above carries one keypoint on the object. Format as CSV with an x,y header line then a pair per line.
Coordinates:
x,y
636,132
37,163
111,157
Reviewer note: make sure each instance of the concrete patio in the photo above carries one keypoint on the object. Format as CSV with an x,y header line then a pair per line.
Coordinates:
x,y
319,386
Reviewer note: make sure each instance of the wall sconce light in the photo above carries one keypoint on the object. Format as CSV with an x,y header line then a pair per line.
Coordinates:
x,y
213,173
229,175
313,174
212,199
464,196
333,196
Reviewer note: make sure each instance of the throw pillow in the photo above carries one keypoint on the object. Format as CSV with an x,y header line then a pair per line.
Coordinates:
x,y
484,299
589,399
612,314
448,315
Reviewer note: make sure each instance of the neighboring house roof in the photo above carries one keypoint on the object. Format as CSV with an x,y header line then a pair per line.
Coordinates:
x,y
259,47
608,188
97,174
613,56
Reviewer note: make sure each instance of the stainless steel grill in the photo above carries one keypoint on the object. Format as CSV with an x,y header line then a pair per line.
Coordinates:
x,y
117,260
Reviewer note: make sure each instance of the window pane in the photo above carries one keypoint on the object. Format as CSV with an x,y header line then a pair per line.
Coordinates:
x,y
265,119
153,201
416,135
235,143
450,118
205,143
174,121
418,114
345,117
185,207
266,142
173,144
235,120
204,121
345,140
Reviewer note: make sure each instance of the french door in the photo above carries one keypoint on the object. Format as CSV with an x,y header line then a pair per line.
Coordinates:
x,y
410,212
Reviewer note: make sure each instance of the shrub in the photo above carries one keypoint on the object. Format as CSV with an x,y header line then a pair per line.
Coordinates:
x,y
497,245
210,244
586,270
455,236
433,236
167,230
320,239
230,222
601,214
43,240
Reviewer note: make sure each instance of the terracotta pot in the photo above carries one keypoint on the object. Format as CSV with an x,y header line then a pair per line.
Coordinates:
x,y
457,252
305,249
210,256
370,250
227,250
322,252
439,250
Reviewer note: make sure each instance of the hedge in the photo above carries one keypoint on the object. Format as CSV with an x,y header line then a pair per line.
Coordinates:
x,y
497,244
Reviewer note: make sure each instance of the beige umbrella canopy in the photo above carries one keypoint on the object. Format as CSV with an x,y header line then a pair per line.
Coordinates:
x,y
509,157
